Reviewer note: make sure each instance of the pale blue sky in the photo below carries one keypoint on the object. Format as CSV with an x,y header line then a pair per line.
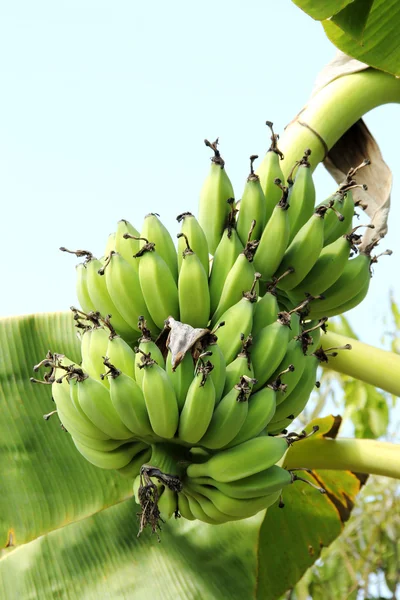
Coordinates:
x,y
104,108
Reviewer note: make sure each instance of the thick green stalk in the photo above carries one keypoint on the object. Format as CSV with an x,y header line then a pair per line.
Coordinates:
x,y
333,110
360,456
372,365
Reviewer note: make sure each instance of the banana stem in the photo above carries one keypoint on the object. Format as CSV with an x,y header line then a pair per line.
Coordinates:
x,y
332,111
360,456
167,458
367,363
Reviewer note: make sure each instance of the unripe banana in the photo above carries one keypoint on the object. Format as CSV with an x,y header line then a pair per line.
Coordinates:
x,y
90,442
301,196
167,503
240,278
213,207
274,239
269,349
260,412
125,291
115,459
197,510
199,405
241,461
181,378
110,245
261,484
225,257
94,399
252,207
335,228
228,416
121,355
155,231
294,356
347,305
184,508
303,252
132,469
265,311
218,374
294,403
268,172
128,400
234,506
93,349
158,285
127,247
161,402
193,293
82,289
101,299
146,347
238,319
198,241
240,366
208,507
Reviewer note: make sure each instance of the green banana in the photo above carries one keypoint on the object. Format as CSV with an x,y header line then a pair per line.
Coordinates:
x,y
155,231
263,483
237,319
265,311
93,349
199,405
146,348
260,412
101,299
127,247
240,366
193,292
334,227
193,231
128,401
303,252
225,257
235,507
268,172
94,399
228,416
301,196
181,377
132,469
110,246
329,266
239,279
294,403
213,206
121,355
197,510
124,288
274,239
161,402
241,461
345,306
252,207
217,359
158,285
82,291
209,509
294,356
269,349
114,459
167,503
184,508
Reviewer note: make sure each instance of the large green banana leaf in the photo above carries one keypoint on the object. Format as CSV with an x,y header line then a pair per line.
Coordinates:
x,y
52,496
364,29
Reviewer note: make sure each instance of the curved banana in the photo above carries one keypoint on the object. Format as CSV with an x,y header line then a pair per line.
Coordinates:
x,y
240,366
155,231
193,292
241,461
213,207
218,374
294,356
274,239
127,247
266,311
252,207
121,355
167,503
93,349
225,257
269,349
228,416
82,291
268,172
208,507
260,412
301,196
132,469
199,406
115,459
184,508
181,377
161,402
334,227
198,241
145,349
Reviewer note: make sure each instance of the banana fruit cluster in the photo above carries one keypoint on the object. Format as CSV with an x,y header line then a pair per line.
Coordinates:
x,y
197,356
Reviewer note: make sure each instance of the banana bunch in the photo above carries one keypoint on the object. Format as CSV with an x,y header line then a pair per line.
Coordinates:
x,y
197,356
